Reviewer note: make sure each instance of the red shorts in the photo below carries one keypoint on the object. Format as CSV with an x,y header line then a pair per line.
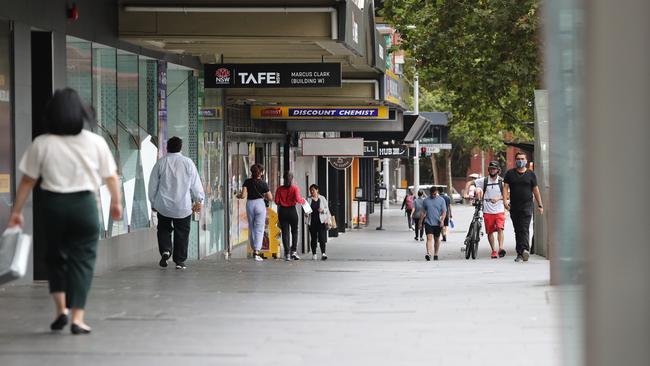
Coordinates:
x,y
494,222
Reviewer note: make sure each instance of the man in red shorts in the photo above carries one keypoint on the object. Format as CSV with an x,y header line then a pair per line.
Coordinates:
x,y
490,190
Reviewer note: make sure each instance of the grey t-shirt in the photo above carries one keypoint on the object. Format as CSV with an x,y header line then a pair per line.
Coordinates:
x,y
434,208
418,208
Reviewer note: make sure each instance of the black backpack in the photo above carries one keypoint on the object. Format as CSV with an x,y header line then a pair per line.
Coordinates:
x,y
499,182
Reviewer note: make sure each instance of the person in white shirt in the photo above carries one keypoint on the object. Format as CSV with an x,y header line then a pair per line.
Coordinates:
x,y
71,163
490,190
175,191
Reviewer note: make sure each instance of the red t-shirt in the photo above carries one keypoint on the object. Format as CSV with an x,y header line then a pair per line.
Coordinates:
x,y
288,196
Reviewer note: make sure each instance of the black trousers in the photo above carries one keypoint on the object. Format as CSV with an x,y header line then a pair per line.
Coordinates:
x,y
419,229
521,222
288,218
71,226
318,235
408,217
181,230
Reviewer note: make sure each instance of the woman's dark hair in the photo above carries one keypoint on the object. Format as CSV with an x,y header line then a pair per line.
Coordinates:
x,y
288,178
314,187
420,193
257,170
66,113
174,145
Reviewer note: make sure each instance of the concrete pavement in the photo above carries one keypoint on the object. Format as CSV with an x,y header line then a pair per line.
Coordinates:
x,y
375,302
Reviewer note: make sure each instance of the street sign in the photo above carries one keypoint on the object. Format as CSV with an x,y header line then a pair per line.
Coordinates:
x,y
370,149
303,75
393,151
432,147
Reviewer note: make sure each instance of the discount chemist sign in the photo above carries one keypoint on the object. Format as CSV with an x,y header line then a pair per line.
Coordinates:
x,y
320,113
297,75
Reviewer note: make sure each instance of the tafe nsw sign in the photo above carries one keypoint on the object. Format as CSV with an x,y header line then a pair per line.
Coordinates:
x,y
307,75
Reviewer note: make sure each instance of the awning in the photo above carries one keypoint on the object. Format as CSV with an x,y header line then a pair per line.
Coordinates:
x,y
415,127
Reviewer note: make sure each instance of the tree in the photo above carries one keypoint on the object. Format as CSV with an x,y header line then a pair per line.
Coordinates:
x,y
482,55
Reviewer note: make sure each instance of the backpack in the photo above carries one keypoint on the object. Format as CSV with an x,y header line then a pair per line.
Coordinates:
x,y
499,182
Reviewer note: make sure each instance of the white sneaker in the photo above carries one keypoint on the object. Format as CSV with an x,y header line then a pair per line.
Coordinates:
x,y
314,257
295,256
258,258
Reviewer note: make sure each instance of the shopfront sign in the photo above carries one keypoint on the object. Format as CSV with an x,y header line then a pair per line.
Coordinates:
x,y
392,88
304,75
341,163
370,149
393,151
332,146
319,113
211,112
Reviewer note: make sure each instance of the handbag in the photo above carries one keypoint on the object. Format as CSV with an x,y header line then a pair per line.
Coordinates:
x,y
14,254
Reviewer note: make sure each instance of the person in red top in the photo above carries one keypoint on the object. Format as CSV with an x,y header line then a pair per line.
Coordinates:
x,y
287,197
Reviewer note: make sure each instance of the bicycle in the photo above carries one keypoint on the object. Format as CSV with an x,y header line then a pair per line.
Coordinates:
x,y
474,233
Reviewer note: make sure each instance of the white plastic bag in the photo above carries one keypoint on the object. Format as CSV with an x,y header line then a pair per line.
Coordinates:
x,y
14,254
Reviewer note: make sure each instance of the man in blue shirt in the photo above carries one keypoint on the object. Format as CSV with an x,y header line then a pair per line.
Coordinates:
x,y
435,210
173,187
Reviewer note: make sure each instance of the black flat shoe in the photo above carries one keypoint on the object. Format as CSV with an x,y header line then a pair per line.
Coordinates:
x,y
76,330
60,322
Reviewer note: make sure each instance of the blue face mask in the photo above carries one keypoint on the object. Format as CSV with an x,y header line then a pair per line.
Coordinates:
x,y
521,163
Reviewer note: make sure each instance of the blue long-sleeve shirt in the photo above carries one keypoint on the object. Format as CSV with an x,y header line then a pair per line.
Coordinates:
x,y
173,185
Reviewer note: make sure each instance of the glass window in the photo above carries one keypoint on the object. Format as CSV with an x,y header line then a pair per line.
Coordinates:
x,y
6,125
79,67
148,86
177,104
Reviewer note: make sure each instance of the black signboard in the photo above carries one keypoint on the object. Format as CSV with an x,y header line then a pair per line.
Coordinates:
x,y
370,149
341,162
306,75
393,151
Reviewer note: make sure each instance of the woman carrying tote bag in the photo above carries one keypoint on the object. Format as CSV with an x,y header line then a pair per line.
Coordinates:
x,y
72,162
318,221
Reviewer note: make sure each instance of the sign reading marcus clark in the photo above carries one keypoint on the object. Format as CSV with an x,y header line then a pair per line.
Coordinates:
x,y
304,75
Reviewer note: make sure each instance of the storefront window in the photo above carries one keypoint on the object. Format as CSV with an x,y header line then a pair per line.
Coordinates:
x,y
211,167
148,86
79,67
6,125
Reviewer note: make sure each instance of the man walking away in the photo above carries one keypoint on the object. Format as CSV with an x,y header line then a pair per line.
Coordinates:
x,y
173,186
418,212
435,210
520,184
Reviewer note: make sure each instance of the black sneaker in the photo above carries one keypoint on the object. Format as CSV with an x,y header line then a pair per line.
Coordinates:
x,y
519,258
421,239
502,253
525,255
427,257
164,259
416,238
444,238
323,257
180,266
435,257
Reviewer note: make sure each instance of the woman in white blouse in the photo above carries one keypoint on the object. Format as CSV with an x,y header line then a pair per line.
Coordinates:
x,y
71,162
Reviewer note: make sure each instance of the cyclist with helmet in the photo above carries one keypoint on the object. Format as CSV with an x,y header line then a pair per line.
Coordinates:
x,y
490,190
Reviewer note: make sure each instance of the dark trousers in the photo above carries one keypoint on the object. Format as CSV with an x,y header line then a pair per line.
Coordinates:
x,y
419,229
408,217
288,218
521,222
181,230
318,235
71,228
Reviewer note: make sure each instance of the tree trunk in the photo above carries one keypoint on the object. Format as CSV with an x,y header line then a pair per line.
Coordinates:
x,y
434,168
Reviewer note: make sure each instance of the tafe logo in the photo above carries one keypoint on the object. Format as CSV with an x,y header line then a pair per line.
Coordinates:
x,y
259,78
271,112
222,76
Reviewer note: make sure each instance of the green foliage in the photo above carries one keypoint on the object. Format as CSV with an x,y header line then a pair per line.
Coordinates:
x,y
479,57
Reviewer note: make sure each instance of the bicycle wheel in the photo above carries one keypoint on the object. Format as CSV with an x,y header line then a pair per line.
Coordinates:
x,y
476,239
468,243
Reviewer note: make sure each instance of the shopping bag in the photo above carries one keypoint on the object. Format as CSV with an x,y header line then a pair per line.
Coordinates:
x,y
307,208
14,254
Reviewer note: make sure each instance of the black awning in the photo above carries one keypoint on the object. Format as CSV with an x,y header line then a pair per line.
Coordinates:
x,y
415,127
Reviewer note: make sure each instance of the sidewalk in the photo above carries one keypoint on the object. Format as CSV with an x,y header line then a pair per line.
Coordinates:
x,y
375,302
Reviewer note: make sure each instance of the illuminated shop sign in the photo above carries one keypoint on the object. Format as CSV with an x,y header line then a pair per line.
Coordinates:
x,y
304,75
300,112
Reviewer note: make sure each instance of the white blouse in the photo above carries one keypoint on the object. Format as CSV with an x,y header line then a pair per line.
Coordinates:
x,y
69,163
